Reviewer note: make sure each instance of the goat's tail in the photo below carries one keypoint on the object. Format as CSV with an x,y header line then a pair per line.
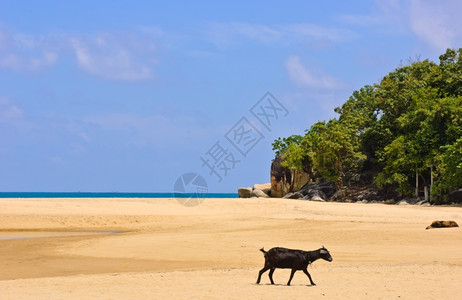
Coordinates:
x,y
263,250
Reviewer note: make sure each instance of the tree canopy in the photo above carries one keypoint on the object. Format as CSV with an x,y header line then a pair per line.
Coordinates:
x,y
406,129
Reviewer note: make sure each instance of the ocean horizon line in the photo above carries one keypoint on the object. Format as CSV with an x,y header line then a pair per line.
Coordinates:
x,y
114,195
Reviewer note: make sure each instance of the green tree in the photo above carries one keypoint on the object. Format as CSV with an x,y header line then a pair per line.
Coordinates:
x,y
407,128
335,149
281,145
449,169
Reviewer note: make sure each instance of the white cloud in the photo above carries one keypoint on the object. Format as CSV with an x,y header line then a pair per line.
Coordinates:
x,y
106,57
13,115
296,31
388,17
21,52
8,110
307,78
19,62
362,20
437,23
126,56
225,34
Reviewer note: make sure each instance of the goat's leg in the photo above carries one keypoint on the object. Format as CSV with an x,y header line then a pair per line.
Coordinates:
x,y
271,275
291,276
309,276
265,268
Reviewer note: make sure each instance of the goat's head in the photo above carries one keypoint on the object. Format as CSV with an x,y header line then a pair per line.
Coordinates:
x,y
324,253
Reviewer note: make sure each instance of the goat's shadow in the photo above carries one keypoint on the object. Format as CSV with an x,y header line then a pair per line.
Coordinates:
x,y
282,284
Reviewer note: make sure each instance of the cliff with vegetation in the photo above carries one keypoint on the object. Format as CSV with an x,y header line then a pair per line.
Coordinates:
x,y
401,136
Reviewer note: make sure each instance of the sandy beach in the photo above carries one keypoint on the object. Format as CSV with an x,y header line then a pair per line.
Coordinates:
x,y
159,249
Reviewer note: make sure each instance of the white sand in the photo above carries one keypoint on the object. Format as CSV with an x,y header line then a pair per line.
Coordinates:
x,y
166,251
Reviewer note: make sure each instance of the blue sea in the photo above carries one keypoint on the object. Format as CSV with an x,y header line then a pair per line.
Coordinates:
x,y
111,195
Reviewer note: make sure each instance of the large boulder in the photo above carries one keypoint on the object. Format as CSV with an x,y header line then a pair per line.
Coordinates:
x,y
244,192
285,180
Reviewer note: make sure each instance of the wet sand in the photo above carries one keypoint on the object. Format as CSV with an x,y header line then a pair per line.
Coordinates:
x,y
157,248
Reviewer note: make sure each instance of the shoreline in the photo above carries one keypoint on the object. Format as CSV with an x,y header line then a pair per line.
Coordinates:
x,y
211,250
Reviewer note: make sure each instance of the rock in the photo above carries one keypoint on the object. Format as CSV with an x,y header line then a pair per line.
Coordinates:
x,y
315,195
293,195
412,200
340,196
267,191
285,180
244,192
358,193
369,194
317,199
259,193
389,201
403,202
262,186
442,224
421,202
326,187
265,188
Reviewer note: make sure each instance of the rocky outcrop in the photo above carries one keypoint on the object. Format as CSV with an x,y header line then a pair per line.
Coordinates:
x,y
285,180
355,188
442,224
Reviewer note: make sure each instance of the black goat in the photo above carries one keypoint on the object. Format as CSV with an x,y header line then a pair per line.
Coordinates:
x,y
291,259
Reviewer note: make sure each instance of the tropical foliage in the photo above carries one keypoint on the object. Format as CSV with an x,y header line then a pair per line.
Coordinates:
x,y
407,129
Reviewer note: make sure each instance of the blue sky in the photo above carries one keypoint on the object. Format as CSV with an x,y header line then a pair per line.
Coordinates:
x,y
128,96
